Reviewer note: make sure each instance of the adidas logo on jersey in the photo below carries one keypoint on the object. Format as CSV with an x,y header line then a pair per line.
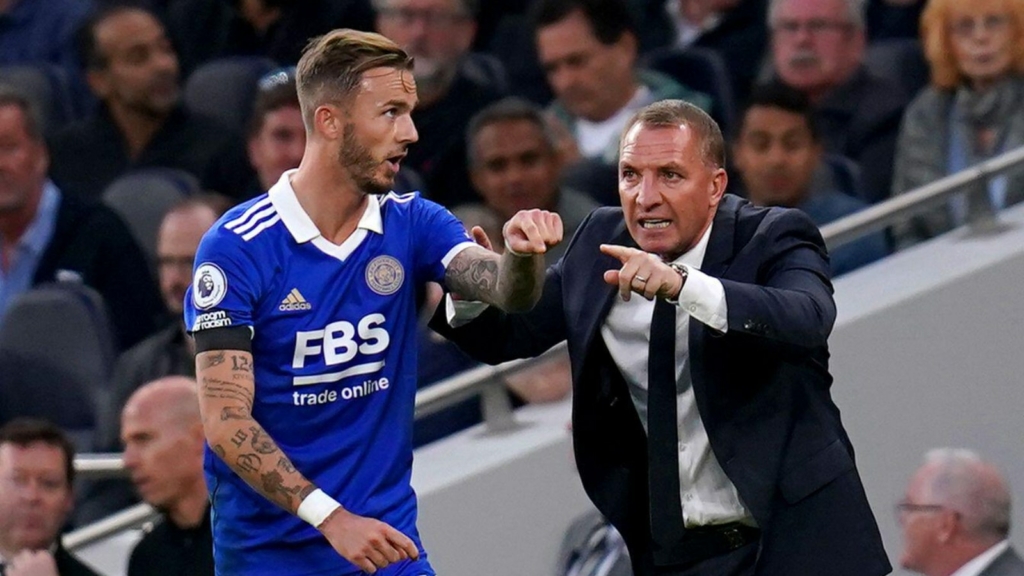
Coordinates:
x,y
294,302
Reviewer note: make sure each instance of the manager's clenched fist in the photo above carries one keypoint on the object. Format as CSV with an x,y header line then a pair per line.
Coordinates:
x,y
532,232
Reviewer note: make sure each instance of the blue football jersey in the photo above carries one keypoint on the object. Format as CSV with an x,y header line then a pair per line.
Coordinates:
x,y
333,343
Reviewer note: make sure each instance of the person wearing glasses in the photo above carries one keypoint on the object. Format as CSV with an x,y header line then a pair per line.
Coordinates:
x,y
972,111
956,518
818,48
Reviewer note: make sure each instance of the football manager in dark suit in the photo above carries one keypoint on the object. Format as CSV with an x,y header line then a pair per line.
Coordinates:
x,y
698,328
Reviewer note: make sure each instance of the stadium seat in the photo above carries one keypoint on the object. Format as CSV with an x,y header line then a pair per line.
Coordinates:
x,y
900,60
48,86
56,354
701,69
224,89
141,199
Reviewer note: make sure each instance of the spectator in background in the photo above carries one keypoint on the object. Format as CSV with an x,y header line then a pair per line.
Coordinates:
x,y
973,110
167,352
777,153
163,451
47,235
133,70
451,85
277,137
514,166
40,31
956,518
278,29
736,29
36,475
588,49
818,48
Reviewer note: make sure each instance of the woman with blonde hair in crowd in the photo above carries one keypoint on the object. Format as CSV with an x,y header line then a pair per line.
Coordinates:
x,y
972,111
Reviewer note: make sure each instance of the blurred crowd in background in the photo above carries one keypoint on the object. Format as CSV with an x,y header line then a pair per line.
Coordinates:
x,y
127,129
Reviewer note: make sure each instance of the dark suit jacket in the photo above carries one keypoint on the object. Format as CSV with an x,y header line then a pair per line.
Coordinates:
x,y
762,389
89,155
1006,564
90,242
861,120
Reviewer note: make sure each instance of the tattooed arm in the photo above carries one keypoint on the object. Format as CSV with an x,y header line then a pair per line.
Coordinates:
x,y
512,281
226,393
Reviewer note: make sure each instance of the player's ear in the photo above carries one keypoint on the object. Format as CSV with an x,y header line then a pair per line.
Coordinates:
x,y
329,121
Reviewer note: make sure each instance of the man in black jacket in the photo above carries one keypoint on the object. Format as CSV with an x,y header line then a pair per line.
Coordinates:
x,y
46,236
133,70
163,450
697,326
36,474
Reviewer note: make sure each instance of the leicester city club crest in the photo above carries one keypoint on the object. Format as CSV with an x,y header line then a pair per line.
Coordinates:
x,y
384,275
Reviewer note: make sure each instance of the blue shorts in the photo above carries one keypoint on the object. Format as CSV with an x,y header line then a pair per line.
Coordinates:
x,y
419,567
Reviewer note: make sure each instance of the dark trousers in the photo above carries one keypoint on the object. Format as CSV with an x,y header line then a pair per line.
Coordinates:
x,y
739,562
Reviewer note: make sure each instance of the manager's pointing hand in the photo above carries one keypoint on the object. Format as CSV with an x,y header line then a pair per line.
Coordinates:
x,y
643,273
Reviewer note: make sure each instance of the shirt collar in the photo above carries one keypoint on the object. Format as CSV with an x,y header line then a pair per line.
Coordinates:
x,y
37,236
982,561
300,225
694,258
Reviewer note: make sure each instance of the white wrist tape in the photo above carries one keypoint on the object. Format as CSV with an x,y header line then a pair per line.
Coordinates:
x,y
317,507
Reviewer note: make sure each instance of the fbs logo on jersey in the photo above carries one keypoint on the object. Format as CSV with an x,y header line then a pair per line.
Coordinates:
x,y
208,286
294,302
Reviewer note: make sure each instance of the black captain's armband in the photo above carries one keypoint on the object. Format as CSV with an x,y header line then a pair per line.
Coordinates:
x,y
227,338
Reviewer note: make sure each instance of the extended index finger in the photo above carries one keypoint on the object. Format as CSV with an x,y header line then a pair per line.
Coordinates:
x,y
623,253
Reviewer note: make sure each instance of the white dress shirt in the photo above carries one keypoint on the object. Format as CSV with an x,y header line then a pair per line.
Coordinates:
x,y
707,494
594,138
982,561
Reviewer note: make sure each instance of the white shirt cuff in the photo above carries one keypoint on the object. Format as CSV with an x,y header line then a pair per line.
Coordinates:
x,y
703,297
460,312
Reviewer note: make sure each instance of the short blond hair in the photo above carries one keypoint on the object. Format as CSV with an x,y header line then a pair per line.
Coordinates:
x,y
332,66
938,42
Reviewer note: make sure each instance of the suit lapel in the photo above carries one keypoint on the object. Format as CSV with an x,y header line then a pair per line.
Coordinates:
x,y
719,253
596,287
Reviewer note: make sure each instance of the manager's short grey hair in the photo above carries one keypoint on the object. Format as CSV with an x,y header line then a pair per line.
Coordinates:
x,y
965,483
856,11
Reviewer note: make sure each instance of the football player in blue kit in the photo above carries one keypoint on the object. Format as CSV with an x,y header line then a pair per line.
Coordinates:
x,y
303,311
